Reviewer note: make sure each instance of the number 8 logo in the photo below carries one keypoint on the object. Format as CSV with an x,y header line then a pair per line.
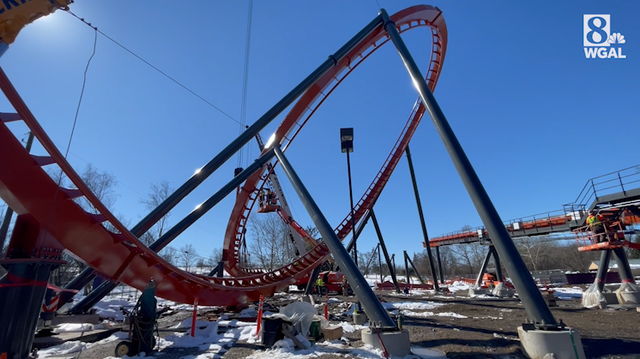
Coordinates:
x,y
597,29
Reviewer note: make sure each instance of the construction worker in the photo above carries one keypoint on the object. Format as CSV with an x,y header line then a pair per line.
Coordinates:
x,y
345,286
319,285
596,222
261,198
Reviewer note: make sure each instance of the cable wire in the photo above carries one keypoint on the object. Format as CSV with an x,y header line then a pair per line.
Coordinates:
x,y
84,83
152,66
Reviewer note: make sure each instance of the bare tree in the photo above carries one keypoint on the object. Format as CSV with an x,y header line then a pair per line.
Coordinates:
x,y
365,258
568,257
535,251
102,184
215,257
170,255
269,242
187,256
470,255
158,193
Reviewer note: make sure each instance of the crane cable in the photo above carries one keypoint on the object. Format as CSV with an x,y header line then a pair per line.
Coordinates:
x,y
152,66
245,81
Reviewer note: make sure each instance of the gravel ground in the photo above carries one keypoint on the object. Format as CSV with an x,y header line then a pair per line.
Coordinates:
x,y
488,331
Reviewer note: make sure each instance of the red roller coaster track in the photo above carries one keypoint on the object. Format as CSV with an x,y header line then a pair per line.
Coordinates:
x,y
119,255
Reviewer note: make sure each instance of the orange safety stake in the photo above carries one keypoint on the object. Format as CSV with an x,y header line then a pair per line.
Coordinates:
x,y
193,320
326,308
260,314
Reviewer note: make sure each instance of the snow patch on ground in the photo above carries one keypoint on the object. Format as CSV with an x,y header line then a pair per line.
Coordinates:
x,y
78,346
350,328
412,305
409,313
76,327
110,308
286,351
458,286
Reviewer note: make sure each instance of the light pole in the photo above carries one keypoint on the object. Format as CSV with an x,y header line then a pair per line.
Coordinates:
x,y
346,144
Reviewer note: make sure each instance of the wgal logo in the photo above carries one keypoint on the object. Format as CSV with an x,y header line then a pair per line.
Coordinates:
x,y
598,39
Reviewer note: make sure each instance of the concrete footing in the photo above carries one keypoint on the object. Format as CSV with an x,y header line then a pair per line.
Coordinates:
x,y
502,291
563,344
360,318
477,291
396,342
628,294
610,298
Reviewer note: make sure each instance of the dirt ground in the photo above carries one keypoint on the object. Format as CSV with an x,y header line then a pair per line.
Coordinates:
x,y
488,331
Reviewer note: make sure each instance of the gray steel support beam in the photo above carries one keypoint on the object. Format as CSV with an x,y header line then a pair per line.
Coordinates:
x,y
603,268
20,306
167,205
406,267
415,269
372,306
220,273
384,251
532,300
4,229
361,225
313,277
624,269
423,224
23,287
94,297
440,265
485,263
373,256
496,261
380,264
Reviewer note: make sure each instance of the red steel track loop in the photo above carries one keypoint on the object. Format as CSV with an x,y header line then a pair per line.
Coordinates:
x,y
309,102
119,255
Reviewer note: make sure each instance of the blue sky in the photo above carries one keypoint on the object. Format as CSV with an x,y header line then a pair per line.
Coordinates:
x,y
535,117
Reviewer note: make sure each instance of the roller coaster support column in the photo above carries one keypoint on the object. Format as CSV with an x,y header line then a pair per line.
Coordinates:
x,y
359,229
422,222
31,256
414,268
501,290
378,316
406,268
601,276
372,306
384,251
152,218
94,297
593,296
477,288
629,292
532,300
440,265
313,277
